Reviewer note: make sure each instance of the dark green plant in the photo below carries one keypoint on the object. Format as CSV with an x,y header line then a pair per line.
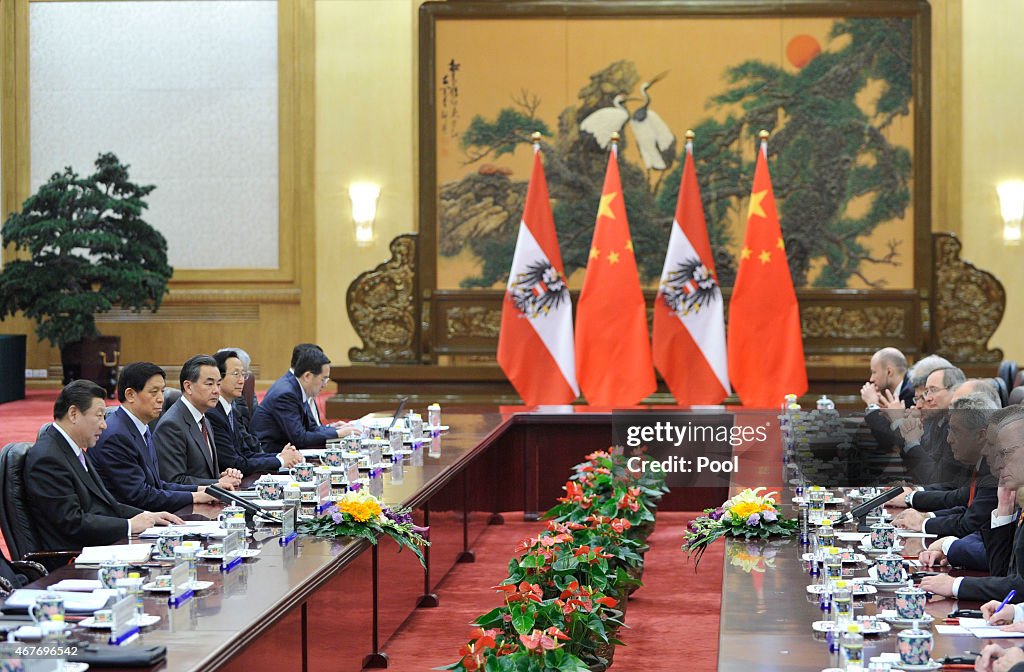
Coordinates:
x,y
88,250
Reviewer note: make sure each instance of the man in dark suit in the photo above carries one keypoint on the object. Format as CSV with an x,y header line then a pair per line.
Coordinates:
x,y
961,511
66,498
185,446
284,416
236,447
125,455
1004,542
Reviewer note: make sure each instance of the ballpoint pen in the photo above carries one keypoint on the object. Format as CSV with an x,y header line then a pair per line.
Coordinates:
x,y
1006,600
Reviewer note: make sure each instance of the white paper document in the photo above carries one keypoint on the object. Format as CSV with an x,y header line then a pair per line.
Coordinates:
x,y
132,553
23,598
982,630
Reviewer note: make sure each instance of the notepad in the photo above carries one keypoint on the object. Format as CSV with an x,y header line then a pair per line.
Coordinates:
x,y
982,630
23,598
131,553
77,585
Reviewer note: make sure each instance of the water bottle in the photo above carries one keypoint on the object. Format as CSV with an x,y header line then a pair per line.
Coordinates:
x,y
826,533
805,537
852,649
842,605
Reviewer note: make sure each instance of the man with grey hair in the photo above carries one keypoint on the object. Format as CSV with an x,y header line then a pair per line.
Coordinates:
x,y
926,452
1004,541
960,511
246,403
184,442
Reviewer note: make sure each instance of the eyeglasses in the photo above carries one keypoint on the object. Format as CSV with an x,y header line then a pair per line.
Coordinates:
x,y
930,392
238,374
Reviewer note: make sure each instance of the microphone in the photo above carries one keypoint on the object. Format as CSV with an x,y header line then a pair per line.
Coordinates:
x,y
862,510
229,497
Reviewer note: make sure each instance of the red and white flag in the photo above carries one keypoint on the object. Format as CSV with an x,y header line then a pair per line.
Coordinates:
x,y
689,327
535,345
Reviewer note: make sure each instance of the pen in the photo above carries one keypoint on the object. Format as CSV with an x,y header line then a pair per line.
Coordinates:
x,y
1009,596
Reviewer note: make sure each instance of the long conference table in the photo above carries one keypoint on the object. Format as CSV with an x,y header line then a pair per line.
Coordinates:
x,y
767,612
325,604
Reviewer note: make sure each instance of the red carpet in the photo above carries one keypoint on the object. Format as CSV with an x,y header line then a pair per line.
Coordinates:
x,y
20,420
674,605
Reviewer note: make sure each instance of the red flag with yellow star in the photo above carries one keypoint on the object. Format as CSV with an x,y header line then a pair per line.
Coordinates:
x,y
613,347
765,349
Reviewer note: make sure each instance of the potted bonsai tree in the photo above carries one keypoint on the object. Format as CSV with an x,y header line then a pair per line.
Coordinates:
x,y
84,248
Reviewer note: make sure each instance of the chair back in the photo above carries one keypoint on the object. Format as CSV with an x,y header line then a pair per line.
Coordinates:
x,y
1002,390
14,519
1017,395
171,396
42,430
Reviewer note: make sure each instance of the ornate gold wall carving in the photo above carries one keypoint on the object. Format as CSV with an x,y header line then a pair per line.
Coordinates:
x,y
383,307
472,321
849,322
967,305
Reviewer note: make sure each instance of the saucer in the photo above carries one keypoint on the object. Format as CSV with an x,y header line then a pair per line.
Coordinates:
x,y
268,503
859,589
195,585
932,665
871,550
873,627
855,558
144,621
828,500
924,621
245,553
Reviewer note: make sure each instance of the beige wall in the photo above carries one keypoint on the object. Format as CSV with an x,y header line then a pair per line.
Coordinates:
x,y
993,149
366,131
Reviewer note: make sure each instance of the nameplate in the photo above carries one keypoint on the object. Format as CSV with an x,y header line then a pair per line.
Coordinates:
x,y
181,585
352,473
395,441
232,550
376,482
122,626
288,523
375,456
323,493
435,446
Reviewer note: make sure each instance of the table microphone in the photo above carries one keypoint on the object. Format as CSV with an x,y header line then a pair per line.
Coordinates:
x,y
229,497
864,509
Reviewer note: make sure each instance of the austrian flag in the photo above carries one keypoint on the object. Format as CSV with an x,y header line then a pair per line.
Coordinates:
x,y
535,345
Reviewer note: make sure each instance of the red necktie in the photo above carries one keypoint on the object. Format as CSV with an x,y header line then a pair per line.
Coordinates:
x,y
206,436
974,482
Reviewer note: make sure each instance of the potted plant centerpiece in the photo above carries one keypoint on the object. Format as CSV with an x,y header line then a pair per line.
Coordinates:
x,y
83,249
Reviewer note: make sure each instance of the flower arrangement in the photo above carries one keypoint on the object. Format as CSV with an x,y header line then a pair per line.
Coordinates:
x,y
360,514
749,515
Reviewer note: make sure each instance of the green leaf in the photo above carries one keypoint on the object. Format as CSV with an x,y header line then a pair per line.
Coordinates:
x,y
523,618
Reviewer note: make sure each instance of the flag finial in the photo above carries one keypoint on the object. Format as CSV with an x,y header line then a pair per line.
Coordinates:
x,y
690,135
535,136
615,137
763,135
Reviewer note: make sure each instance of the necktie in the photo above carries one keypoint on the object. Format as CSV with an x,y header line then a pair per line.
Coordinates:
x,y
314,411
974,483
206,437
231,421
81,458
150,450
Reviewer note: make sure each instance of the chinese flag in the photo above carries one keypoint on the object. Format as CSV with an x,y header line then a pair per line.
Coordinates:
x,y
765,350
613,347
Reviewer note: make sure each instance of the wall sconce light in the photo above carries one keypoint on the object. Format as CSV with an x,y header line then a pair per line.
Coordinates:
x,y
1011,203
364,197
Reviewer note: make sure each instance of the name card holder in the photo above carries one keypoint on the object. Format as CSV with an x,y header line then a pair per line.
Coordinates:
x,y
397,469
232,551
377,482
323,496
352,474
181,585
376,458
395,441
288,533
435,446
122,627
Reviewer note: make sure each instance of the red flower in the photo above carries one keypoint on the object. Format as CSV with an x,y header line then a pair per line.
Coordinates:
x,y
538,640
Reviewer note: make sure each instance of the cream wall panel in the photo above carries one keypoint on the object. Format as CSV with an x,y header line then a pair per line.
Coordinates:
x,y
366,124
992,141
184,92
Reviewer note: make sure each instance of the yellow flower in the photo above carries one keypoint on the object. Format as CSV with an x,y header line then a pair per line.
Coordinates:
x,y
362,507
745,509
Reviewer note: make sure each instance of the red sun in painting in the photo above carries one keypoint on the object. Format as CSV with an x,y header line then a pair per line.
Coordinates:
x,y
802,49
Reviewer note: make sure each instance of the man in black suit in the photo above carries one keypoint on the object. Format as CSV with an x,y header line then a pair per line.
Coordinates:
x,y
1004,542
284,416
66,498
185,446
125,455
236,447
927,456
958,512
